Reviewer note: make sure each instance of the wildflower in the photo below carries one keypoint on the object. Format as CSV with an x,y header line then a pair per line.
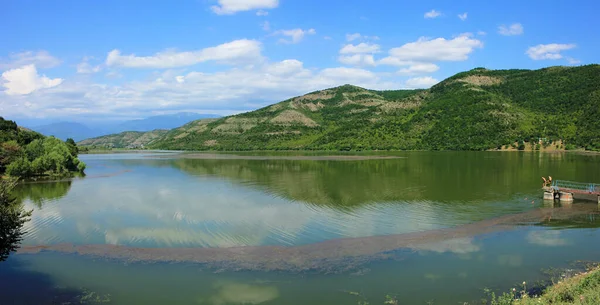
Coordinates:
x,y
514,289
524,283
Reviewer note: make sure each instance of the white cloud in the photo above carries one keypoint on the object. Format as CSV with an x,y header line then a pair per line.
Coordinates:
x,y
360,48
512,30
229,7
225,92
84,67
357,60
351,37
327,37
431,50
351,75
463,16
419,68
296,35
357,36
243,50
573,61
481,33
26,80
266,26
432,14
41,59
548,51
421,82
262,13
286,68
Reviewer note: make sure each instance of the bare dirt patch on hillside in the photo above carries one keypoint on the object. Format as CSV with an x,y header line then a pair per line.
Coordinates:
x,y
237,125
290,117
481,80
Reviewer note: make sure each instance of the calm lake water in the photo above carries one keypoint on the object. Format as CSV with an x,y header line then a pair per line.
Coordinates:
x,y
425,227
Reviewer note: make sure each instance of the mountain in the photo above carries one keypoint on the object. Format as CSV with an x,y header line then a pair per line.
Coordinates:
x,y
167,121
480,109
78,131
126,139
64,130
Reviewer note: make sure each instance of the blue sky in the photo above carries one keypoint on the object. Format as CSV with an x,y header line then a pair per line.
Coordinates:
x,y
90,60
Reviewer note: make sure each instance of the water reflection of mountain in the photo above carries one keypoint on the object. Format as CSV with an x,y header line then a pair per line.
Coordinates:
x,y
40,192
443,177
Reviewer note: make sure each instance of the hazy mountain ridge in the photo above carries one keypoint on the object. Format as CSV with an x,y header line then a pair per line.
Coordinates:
x,y
126,139
79,131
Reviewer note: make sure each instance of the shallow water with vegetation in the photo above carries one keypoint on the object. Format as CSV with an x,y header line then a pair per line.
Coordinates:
x,y
421,227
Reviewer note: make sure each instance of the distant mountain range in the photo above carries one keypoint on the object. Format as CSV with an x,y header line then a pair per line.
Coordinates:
x,y
79,131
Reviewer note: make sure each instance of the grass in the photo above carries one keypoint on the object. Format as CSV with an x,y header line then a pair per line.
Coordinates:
x,y
581,289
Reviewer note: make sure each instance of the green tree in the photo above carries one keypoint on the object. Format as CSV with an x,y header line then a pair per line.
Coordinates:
x,y
12,219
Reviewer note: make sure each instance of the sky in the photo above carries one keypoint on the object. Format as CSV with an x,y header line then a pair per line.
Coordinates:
x,y
90,61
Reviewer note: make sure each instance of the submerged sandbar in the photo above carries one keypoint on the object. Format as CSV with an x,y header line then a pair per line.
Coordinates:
x,y
335,254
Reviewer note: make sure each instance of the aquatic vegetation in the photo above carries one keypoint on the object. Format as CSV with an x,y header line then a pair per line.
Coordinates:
x,y
92,297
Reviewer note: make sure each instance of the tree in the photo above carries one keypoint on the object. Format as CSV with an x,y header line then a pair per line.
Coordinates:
x,y
12,219
72,146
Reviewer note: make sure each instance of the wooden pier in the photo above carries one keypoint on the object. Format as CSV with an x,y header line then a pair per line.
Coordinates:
x,y
564,191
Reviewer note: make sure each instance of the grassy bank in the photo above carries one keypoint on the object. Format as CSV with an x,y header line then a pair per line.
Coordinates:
x,y
581,289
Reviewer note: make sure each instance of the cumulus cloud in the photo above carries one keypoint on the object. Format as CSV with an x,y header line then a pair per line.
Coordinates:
x,y
432,14
421,82
262,13
481,33
463,16
286,68
360,48
419,68
243,50
230,7
511,30
84,67
548,51
295,35
357,60
432,50
25,80
41,59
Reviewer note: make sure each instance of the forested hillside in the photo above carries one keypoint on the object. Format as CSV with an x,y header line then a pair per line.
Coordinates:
x,y
25,153
475,110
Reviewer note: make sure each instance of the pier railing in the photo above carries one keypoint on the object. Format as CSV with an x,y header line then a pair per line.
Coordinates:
x,y
578,187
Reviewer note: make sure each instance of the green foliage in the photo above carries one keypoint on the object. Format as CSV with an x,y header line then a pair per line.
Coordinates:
x,y
12,219
25,153
20,168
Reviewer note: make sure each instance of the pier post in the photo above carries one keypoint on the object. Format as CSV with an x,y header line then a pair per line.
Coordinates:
x,y
566,197
550,196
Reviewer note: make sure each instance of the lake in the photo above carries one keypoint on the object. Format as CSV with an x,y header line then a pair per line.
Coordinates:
x,y
423,227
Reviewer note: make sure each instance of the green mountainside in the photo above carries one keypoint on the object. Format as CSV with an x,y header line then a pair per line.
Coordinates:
x,y
126,139
474,110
